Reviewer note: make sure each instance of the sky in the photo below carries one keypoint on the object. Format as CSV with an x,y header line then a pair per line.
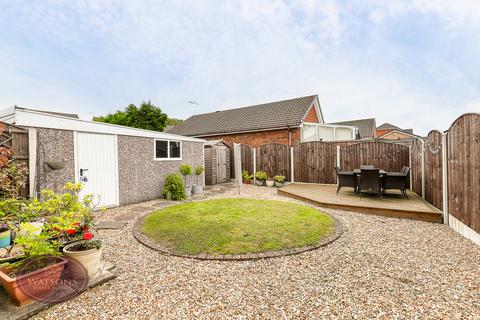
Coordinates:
x,y
413,63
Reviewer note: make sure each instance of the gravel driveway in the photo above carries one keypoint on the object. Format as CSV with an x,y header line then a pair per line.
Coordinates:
x,y
379,268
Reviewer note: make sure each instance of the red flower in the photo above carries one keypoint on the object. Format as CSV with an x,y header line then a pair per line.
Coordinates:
x,y
87,236
71,231
85,228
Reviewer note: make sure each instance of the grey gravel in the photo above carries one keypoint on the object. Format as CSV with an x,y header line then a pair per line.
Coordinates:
x,y
380,268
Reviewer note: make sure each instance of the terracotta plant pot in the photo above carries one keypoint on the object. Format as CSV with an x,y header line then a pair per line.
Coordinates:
x,y
247,181
259,182
5,238
270,183
89,259
38,283
197,189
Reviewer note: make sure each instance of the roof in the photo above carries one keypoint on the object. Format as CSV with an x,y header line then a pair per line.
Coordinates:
x,y
366,127
387,126
405,132
266,116
44,119
211,143
68,115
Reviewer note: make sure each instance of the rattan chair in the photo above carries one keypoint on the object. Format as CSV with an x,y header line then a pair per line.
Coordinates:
x,y
346,179
369,180
397,180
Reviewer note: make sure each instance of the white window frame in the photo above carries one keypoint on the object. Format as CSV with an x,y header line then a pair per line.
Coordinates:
x,y
334,127
168,150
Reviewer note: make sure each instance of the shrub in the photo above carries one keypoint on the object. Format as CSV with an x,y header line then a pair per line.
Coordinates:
x,y
279,179
198,172
13,174
246,175
174,187
261,175
185,169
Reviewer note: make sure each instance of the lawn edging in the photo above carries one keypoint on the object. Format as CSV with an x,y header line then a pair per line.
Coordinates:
x,y
145,240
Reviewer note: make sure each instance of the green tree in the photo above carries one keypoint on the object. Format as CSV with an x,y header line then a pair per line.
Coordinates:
x,y
173,121
147,116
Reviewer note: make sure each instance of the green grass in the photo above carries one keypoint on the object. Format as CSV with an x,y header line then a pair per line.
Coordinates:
x,y
236,226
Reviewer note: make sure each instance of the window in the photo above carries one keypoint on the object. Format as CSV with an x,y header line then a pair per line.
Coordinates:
x,y
168,150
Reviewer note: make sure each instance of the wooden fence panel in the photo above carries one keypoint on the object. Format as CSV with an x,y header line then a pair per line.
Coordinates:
x,y
314,162
416,150
383,155
463,159
17,139
433,169
247,158
274,159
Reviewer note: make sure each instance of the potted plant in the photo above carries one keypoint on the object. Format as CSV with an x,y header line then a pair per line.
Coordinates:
x,y
5,236
279,180
88,250
186,170
270,182
37,272
260,177
198,189
247,178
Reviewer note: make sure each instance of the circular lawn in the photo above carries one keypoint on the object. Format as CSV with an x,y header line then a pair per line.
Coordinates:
x,y
235,227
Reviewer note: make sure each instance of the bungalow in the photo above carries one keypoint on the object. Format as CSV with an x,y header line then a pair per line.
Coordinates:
x,y
286,122
119,165
393,133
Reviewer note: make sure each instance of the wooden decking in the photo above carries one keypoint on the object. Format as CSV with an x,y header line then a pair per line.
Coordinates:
x,y
393,205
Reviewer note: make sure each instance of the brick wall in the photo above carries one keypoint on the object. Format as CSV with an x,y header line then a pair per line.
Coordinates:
x,y
312,116
255,139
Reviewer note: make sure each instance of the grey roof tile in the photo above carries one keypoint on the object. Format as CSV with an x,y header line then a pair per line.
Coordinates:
x,y
279,114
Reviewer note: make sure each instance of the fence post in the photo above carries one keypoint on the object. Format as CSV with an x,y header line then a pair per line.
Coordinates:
x,y
254,164
445,179
410,165
32,161
338,159
292,166
237,152
423,169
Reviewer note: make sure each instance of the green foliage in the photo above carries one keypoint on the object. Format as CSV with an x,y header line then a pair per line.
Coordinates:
x,y
261,175
13,177
246,175
185,169
199,170
279,179
148,116
173,121
174,187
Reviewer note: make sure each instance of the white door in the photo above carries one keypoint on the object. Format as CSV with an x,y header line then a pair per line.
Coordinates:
x,y
96,160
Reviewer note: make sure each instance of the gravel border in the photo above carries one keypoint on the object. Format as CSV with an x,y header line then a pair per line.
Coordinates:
x,y
145,240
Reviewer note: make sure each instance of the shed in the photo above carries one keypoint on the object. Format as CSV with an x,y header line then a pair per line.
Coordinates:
x,y
117,164
217,162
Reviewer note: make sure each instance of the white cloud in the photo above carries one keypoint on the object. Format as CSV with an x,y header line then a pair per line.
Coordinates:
x,y
97,56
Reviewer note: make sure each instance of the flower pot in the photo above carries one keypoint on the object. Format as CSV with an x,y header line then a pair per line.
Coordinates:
x,y
270,183
247,181
259,182
279,184
188,191
5,238
89,259
34,285
197,189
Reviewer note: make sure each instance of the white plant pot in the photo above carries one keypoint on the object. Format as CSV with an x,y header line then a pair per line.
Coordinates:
x,y
259,182
270,183
89,259
188,192
197,189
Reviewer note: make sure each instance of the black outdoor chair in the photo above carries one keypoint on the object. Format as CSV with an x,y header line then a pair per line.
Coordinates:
x,y
397,180
346,179
370,180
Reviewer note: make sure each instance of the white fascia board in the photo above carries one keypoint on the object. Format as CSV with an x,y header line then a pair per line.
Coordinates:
x,y
331,125
8,115
30,118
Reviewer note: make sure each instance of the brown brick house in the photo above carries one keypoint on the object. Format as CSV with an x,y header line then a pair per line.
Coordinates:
x,y
286,122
